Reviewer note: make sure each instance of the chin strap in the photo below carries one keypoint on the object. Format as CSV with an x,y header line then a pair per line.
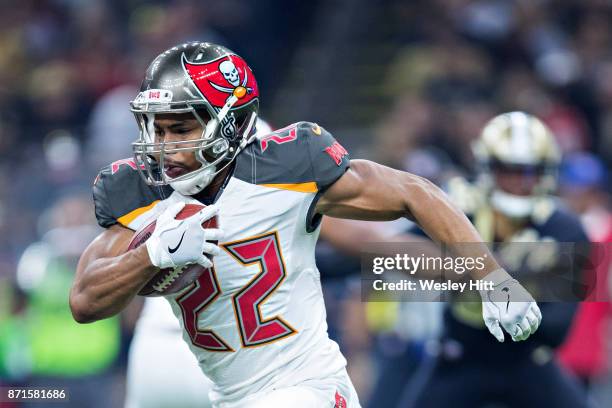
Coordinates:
x,y
228,105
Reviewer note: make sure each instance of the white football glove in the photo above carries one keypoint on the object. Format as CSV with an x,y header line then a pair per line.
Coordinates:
x,y
510,305
180,242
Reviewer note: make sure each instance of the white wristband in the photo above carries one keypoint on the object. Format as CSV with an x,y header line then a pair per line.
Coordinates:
x,y
496,277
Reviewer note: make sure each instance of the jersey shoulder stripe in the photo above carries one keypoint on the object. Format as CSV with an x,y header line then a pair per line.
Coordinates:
x,y
120,194
132,215
300,157
307,187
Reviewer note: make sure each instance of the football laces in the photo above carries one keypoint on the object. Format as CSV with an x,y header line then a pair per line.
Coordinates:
x,y
168,279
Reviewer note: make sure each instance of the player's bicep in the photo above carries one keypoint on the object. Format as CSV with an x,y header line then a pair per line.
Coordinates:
x,y
368,191
110,243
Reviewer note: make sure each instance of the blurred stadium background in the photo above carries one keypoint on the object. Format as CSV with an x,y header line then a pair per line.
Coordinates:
x,y
406,83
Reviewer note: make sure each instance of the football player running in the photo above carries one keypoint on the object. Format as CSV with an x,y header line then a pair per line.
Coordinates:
x,y
172,378
511,202
255,319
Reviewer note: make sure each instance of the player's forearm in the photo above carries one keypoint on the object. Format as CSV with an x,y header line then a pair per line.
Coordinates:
x,y
444,223
107,285
369,191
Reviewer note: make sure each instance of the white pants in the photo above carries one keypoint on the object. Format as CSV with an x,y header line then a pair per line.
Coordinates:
x,y
164,373
333,392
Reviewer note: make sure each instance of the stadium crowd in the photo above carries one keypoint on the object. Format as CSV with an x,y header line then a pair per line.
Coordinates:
x,y
68,69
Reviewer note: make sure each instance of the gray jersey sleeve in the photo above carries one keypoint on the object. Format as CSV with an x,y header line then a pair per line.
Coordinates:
x,y
297,154
103,210
328,159
119,190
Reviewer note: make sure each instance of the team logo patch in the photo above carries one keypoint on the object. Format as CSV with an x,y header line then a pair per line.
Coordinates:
x,y
340,401
336,152
218,80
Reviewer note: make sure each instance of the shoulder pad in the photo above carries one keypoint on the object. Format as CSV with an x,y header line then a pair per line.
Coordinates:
x,y
119,192
301,157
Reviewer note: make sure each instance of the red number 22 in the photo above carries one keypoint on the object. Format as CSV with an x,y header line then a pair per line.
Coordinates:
x,y
253,328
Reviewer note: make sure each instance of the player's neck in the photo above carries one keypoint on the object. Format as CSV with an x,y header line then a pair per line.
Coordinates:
x,y
208,195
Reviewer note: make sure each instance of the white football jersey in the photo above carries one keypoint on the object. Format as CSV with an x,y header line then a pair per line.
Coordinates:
x,y
256,320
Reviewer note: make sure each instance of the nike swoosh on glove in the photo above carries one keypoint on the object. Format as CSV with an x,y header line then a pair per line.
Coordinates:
x,y
181,242
510,306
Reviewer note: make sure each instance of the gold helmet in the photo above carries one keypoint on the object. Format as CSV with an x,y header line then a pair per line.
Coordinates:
x,y
518,159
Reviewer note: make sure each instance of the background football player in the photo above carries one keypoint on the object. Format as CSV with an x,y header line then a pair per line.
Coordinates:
x,y
262,339
511,202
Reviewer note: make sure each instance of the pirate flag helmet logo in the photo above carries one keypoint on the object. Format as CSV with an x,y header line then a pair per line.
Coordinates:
x,y
218,88
223,78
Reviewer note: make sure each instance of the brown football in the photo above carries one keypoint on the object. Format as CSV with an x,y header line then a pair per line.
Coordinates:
x,y
169,280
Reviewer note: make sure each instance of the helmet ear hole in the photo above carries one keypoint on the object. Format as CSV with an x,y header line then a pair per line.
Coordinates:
x,y
242,124
203,114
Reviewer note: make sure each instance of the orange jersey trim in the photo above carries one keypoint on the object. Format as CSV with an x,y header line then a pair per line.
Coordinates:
x,y
308,187
126,219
